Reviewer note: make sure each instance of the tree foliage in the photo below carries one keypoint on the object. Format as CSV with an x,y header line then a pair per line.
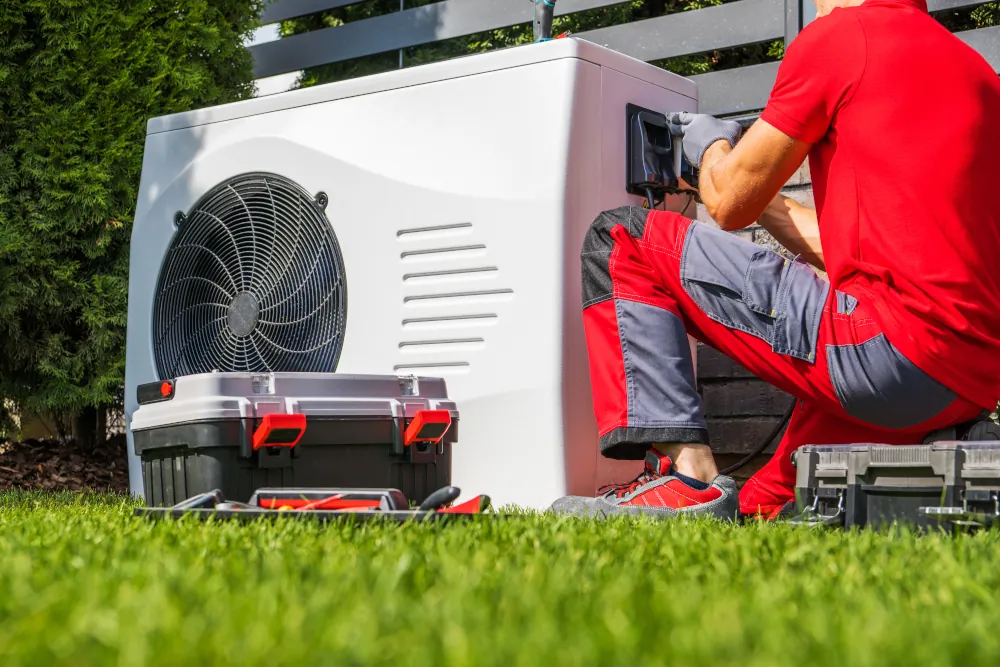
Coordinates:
x,y
78,81
626,12
970,18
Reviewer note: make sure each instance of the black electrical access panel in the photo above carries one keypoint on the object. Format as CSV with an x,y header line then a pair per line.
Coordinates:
x,y
652,156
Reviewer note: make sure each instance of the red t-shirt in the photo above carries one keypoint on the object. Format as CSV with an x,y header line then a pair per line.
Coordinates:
x,y
905,122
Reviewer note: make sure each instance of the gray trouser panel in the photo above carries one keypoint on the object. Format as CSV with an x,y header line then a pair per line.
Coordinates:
x,y
879,386
663,402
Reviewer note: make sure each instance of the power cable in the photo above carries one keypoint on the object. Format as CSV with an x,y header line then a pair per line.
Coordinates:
x,y
763,445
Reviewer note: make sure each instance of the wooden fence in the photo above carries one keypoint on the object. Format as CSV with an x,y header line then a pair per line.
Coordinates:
x,y
734,24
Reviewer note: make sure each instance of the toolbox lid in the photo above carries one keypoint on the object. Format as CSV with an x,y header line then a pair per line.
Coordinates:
x,y
979,459
232,396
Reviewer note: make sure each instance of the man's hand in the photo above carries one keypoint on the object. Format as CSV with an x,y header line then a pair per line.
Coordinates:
x,y
699,131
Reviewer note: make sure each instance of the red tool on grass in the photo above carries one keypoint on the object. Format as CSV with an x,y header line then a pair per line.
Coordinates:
x,y
325,505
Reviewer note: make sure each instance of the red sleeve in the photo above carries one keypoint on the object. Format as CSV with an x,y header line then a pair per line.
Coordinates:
x,y
822,68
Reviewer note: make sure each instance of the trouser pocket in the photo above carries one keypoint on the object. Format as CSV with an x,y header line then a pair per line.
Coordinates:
x,y
748,288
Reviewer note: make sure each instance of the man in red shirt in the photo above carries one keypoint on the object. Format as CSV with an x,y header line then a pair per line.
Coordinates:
x,y
899,121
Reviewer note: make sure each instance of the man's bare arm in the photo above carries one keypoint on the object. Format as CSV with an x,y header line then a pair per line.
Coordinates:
x,y
795,227
738,184
739,181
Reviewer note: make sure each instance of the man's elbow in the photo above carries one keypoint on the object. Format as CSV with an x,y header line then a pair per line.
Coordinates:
x,y
729,218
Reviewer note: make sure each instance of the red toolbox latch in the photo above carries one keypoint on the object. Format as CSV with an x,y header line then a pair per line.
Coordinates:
x,y
428,426
279,431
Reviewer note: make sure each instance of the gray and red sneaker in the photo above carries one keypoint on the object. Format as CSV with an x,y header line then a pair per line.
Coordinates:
x,y
657,492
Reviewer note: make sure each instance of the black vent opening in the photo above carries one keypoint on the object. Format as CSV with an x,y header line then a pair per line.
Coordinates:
x,y
253,281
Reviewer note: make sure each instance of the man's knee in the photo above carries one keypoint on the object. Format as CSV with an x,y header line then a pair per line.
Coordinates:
x,y
598,244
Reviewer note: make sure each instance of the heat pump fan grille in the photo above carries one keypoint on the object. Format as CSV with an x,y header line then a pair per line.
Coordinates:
x,y
253,281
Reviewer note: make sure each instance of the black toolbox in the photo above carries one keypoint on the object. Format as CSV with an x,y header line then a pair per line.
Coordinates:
x,y
238,432
927,486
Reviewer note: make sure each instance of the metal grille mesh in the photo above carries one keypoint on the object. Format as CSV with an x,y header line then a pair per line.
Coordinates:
x,y
253,281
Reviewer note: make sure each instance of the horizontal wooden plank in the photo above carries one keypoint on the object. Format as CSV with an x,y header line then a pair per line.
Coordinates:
x,y
685,33
741,435
734,91
714,365
279,10
743,398
399,30
745,90
986,41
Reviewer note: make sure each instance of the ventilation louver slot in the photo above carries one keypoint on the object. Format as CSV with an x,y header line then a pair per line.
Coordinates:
x,y
253,281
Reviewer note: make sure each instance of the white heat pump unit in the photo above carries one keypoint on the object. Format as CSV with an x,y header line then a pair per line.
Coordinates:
x,y
426,221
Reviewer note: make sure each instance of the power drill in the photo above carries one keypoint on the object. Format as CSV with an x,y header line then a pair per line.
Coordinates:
x,y
543,19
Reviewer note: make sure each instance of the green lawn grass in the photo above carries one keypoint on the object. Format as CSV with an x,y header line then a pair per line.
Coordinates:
x,y
83,582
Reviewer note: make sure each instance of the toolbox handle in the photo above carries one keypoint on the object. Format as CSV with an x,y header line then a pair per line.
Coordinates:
x,y
427,426
279,431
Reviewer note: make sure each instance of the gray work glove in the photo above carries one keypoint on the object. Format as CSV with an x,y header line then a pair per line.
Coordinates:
x,y
699,131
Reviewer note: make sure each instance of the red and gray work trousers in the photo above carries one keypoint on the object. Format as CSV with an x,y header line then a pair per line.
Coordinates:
x,y
650,278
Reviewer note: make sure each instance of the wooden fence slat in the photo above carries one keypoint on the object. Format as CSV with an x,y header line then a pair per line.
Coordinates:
x,y
741,435
746,19
279,10
399,30
696,31
743,398
986,41
735,91
714,365
287,9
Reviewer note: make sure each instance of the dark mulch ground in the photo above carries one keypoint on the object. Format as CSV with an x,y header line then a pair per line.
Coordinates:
x,y
51,465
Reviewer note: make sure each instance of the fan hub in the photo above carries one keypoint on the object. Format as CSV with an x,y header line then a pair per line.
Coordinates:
x,y
244,312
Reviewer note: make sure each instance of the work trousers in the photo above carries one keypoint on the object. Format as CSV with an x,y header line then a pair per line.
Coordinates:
x,y
650,278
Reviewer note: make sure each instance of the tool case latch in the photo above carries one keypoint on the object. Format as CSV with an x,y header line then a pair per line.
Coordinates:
x,y
419,438
275,437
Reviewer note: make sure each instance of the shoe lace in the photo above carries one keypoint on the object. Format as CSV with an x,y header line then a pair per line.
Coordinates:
x,y
620,490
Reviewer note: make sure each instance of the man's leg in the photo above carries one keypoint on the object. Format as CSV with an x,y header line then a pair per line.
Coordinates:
x,y
651,278
643,378
640,359
647,284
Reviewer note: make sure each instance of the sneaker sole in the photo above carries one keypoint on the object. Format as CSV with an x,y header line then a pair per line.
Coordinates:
x,y
725,508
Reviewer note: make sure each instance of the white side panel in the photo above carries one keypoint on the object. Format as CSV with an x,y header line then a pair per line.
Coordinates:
x,y
584,172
